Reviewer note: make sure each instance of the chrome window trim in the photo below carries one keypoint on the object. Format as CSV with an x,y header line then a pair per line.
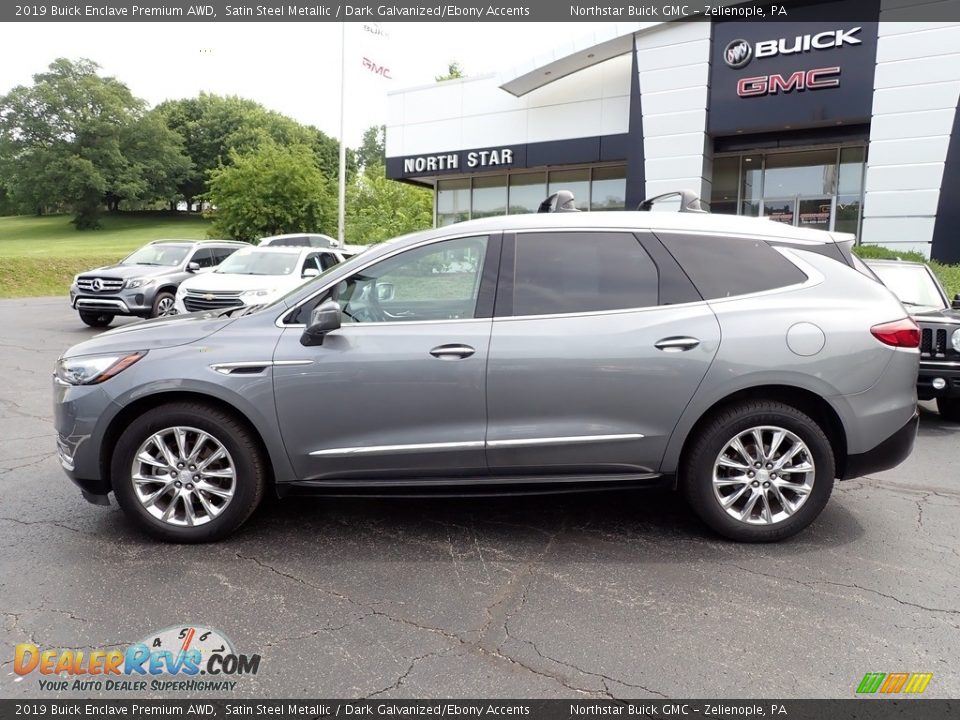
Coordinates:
x,y
429,241
536,442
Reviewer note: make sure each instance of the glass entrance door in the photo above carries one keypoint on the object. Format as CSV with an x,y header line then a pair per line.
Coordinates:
x,y
816,213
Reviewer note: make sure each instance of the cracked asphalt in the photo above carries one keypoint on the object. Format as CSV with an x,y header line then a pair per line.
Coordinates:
x,y
608,595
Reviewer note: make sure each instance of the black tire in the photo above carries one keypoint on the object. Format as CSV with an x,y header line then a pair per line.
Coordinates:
x,y
234,436
160,304
95,319
949,409
697,468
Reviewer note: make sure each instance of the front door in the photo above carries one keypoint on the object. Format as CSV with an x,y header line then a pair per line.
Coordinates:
x,y
399,391
589,372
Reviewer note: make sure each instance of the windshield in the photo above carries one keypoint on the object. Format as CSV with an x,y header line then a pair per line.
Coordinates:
x,y
912,284
252,262
166,255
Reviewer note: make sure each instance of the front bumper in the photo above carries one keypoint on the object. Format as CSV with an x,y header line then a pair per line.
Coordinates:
x,y
888,454
947,371
135,302
79,412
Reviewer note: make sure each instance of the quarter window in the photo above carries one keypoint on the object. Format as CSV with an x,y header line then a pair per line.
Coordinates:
x,y
725,266
581,272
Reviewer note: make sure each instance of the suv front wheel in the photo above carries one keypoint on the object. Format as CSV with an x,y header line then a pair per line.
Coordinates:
x,y
758,471
188,472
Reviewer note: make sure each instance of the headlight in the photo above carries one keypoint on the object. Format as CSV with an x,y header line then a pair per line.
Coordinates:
x,y
955,340
181,291
138,282
255,293
94,369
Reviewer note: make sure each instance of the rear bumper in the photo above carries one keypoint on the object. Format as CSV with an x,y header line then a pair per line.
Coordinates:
x,y
930,371
888,454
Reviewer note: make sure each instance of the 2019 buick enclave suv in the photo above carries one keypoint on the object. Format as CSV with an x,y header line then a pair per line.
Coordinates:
x,y
733,358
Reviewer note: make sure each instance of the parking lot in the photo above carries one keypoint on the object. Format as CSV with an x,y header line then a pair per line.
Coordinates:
x,y
608,595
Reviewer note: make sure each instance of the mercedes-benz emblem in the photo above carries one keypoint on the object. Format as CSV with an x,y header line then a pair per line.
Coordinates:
x,y
737,53
97,285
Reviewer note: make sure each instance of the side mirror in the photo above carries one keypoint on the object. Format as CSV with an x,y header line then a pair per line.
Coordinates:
x,y
385,292
193,267
956,302
324,319
310,272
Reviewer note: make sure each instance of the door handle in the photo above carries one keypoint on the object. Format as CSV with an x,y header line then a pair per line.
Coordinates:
x,y
452,352
676,344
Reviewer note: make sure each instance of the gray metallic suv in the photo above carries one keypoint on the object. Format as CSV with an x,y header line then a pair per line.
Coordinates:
x,y
144,284
735,359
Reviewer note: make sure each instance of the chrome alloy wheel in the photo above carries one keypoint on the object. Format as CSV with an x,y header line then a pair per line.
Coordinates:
x,y
763,475
165,307
183,476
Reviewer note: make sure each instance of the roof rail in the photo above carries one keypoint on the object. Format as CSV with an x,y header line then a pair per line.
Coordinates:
x,y
560,201
689,201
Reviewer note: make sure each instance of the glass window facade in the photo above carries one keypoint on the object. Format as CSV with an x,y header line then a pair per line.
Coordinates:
x,y
598,188
819,188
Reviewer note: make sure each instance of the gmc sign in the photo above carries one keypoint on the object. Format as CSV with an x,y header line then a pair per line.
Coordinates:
x,y
816,79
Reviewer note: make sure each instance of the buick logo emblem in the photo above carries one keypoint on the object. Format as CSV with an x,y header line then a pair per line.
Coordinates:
x,y
97,285
737,53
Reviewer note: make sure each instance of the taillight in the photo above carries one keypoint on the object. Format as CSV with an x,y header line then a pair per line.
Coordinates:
x,y
899,333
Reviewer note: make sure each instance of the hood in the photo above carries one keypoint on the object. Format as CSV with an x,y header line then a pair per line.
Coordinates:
x,y
153,334
129,271
941,317
235,281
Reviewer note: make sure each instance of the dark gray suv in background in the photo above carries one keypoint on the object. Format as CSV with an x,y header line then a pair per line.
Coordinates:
x,y
737,359
144,284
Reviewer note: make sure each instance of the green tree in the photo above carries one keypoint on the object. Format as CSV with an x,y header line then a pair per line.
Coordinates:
x,y
212,127
372,150
379,209
270,190
75,140
454,72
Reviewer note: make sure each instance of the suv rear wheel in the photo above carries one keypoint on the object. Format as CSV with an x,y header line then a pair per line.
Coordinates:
x,y
95,319
188,473
758,471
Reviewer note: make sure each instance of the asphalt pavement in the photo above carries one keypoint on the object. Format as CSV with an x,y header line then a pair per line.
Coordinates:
x,y
607,595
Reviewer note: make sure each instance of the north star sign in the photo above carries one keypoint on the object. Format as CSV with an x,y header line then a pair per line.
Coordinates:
x,y
457,160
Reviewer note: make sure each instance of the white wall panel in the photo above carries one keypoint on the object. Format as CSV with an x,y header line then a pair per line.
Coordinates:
x,y
901,203
904,177
924,123
932,96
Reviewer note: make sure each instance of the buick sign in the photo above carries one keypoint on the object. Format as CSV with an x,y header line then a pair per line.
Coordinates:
x,y
738,53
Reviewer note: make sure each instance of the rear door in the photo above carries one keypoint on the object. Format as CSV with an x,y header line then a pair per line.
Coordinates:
x,y
599,341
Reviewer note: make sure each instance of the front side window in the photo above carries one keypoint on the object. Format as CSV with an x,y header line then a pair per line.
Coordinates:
x,y
203,257
440,281
582,272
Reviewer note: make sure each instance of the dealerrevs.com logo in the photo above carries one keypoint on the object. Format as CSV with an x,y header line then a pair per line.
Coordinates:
x,y
170,660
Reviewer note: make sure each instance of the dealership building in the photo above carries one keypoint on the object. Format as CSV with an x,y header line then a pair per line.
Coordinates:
x,y
824,123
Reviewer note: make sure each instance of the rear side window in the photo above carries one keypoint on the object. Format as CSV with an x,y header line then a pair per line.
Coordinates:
x,y
581,272
726,266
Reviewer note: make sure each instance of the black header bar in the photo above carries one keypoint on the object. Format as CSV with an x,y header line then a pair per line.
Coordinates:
x,y
462,11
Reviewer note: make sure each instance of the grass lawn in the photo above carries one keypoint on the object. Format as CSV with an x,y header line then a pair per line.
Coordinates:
x,y
40,255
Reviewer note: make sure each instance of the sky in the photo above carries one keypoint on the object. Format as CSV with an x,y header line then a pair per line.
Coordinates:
x,y
293,68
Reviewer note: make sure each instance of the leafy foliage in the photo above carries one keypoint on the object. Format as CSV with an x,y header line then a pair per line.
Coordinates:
x,y
372,150
454,72
76,140
379,209
270,190
213,128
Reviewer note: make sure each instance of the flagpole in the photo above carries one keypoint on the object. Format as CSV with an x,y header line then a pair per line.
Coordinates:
x,y
342,190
